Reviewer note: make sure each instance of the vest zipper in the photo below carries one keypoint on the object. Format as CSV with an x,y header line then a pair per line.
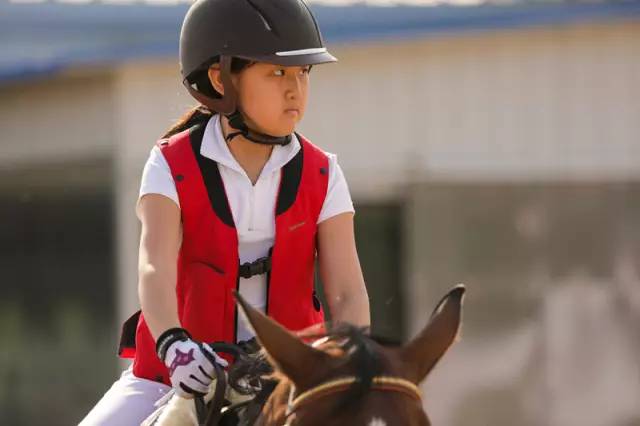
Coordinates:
x,y
235,315
316,301
266,307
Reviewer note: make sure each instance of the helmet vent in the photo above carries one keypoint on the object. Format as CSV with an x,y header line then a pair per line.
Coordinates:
x,y
262,16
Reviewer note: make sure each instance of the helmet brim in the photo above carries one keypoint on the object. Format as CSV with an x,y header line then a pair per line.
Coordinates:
x,y
293,59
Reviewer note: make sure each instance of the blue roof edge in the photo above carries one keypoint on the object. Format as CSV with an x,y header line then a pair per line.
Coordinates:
x,y
339,25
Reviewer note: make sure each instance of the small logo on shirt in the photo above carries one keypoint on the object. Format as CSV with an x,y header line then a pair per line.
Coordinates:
x,y
297,225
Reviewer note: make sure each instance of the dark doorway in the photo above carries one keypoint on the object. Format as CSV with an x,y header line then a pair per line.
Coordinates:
x,y
57,305
379,240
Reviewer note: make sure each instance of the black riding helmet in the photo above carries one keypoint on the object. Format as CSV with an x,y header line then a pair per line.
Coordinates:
x,y
282,32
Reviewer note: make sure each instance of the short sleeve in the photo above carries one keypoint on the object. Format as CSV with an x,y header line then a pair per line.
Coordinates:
x,y
338,199
157,178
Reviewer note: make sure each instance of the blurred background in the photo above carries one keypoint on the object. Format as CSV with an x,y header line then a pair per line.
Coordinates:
x,y
491,143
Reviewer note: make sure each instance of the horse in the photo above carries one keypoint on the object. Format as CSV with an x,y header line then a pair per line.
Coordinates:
x,y
345,377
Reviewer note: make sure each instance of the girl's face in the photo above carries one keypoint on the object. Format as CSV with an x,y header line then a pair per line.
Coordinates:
x,y
272,97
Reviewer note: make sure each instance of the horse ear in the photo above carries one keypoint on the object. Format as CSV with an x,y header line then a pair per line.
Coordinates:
x,y
425,350
291,355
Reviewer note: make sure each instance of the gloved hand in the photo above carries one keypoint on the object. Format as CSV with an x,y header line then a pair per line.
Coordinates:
x,y
190,363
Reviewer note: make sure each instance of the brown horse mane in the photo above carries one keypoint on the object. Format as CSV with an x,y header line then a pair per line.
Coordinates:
x,y
344,340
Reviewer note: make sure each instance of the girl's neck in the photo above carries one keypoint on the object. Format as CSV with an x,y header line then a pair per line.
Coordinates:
x,y
250,155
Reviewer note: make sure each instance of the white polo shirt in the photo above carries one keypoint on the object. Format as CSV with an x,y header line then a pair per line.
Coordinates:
x,y
252,207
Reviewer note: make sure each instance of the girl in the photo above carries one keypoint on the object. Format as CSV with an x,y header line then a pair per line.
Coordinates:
x,y
233,199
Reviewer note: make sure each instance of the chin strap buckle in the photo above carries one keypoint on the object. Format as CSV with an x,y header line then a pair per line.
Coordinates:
x,y
236,120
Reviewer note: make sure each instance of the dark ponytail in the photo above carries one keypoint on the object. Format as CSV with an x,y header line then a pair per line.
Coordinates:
x,y
200,113
197,115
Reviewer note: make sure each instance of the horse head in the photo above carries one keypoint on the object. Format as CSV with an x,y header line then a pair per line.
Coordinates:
x,y
348,377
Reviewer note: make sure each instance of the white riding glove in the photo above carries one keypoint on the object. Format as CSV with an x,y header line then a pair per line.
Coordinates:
x,y
190,370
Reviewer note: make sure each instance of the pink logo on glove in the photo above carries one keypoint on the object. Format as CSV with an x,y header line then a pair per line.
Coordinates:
x,y
180,360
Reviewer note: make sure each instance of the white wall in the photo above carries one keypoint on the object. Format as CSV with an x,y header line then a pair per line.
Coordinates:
x,y
542,104
62,119
538,104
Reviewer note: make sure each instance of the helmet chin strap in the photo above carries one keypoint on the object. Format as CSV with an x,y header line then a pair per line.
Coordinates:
x,y
228,103
236,120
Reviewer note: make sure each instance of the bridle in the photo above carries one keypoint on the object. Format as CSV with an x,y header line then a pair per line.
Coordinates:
x,y
380,383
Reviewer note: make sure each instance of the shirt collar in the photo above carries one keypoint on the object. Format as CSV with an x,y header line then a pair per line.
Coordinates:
x,y
215,148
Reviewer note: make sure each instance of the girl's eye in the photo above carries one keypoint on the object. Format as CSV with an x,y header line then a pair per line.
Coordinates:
x,y
281,72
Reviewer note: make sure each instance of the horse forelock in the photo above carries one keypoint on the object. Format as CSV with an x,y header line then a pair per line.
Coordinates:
x,y
356,347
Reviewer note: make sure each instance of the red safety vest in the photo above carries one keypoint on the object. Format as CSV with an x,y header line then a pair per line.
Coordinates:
x,y
208,260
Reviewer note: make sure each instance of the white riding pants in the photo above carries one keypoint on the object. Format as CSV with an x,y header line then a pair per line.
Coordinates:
x,y
128,402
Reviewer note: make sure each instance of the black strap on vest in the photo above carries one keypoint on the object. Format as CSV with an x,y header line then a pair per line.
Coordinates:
x,y
128,333
291,177
211,176
257,267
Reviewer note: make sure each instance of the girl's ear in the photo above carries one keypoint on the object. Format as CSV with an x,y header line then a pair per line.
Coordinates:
x,y
215,78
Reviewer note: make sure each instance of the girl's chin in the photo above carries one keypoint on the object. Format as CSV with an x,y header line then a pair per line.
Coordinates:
x,y
281,131
282,127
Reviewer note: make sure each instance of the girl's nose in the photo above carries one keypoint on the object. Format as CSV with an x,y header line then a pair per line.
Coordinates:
x,y
294,86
